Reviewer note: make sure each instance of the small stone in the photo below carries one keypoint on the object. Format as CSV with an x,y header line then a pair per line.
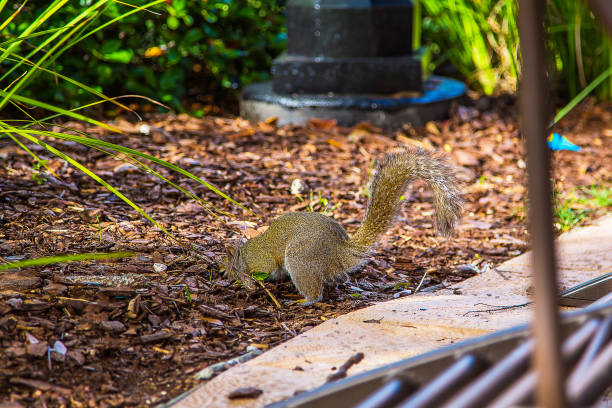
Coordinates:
x,y
113,326
297,187
155,337
15,303
159,267
59,357
402,293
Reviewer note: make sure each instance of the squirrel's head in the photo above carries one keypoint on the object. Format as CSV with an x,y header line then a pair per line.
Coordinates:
x,y
233,264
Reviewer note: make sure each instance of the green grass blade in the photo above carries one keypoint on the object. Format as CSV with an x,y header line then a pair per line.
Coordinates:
x,y
208,207
114,20
62,111
73,25
126,150
72,81
53,7
49,260
31,153
96,178
583,94
8,20
28,37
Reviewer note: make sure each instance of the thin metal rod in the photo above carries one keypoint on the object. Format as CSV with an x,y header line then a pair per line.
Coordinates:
x,y
388,395
533,95
447,383
594,382
494,380
598,342
521,391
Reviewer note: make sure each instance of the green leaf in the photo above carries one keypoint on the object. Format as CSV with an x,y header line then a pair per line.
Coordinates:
x,y
170,79
260,276
105,73
173,22
121,56
583,94
109,46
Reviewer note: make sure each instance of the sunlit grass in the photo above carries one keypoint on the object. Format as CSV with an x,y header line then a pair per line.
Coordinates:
x,y
480,38
571,208
50,260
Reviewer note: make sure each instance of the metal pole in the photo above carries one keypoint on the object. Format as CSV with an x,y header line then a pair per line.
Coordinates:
x,y
533,95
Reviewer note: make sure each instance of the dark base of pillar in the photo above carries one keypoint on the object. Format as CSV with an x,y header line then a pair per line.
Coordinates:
x,y
259,102
298,74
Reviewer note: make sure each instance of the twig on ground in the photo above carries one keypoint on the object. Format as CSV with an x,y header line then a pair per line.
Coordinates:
x,y
504,277
291,332
496,308
420,283
269,293
341,373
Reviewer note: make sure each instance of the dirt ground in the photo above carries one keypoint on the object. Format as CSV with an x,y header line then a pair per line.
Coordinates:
x,y
134,331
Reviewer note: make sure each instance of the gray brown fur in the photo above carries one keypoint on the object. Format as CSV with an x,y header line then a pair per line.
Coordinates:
x,y
314,249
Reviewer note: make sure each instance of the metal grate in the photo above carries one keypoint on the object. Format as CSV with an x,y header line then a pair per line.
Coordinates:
x,y
493,371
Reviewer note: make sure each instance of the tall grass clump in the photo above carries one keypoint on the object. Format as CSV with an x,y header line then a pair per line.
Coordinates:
x,y
480,38
36,50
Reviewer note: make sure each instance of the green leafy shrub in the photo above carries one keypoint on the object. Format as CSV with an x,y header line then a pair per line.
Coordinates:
x,y
183,48
32,53
197,49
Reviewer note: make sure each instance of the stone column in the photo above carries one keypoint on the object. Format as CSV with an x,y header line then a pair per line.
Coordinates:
x,y
348,47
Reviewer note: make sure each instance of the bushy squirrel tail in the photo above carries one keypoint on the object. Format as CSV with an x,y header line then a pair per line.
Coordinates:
x,y
395,171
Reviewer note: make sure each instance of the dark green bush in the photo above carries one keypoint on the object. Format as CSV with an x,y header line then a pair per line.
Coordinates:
x,y
191,49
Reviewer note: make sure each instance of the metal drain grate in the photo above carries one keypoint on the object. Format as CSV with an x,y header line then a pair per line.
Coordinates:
x,y
493,371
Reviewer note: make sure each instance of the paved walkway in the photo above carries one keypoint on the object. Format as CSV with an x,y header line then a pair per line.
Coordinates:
x,y
410,325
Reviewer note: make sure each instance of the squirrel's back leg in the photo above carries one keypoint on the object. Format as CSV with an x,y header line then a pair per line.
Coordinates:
x,y
308,268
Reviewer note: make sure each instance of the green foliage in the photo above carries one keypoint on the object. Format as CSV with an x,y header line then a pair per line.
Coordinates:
x,y
192,49
50,260
31,53
320,204
568,211
260,276
480,38
175,50
187,294
38,174
599,195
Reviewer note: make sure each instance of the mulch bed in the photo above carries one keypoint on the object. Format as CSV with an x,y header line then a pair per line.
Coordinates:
x,y
134,331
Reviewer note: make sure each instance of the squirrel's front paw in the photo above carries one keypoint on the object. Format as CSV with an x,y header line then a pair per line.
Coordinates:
x,y
306,302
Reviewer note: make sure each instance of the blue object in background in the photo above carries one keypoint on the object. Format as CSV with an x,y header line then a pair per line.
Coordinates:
x,y
558,142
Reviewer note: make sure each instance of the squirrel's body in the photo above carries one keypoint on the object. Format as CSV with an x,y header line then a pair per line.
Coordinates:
x,y
314,249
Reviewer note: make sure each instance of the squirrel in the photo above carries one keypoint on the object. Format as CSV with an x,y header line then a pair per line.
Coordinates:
x,y
314,249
